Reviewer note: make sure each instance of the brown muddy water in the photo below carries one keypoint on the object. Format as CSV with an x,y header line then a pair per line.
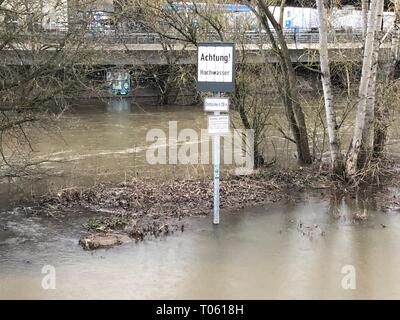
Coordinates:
x,y
293,250
105,141
285,250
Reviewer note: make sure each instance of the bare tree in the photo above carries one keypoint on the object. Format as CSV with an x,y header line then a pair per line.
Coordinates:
x,y
359,149
368,133
332,127
382,109
364,17
288,91
40,70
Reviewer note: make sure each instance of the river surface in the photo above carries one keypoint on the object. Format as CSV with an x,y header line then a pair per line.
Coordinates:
x,y
99,141
286,250
293,250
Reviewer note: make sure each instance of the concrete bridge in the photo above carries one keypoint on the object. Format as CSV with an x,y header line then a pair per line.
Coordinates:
x,y
147,49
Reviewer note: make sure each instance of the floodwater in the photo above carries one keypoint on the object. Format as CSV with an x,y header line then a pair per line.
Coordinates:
x,y
294,250
105,141
286,250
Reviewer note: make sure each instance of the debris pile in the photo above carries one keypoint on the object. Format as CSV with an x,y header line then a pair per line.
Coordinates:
x,y
145,208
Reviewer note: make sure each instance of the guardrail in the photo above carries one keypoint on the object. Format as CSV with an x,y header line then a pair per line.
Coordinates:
x,y
292,36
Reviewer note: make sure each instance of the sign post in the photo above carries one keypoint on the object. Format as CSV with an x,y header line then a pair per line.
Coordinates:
x,y
216,156
216,69
217,126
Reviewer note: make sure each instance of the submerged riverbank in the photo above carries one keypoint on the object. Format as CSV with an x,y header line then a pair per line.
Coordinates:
x,y
141,209
296,247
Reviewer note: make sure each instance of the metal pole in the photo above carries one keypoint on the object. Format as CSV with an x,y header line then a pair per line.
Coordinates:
x,y
216,159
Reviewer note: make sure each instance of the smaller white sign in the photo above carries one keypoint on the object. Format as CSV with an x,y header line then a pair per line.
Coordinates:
x,y
218,125
216,104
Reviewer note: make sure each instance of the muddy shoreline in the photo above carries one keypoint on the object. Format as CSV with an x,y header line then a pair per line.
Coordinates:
x,y
140,209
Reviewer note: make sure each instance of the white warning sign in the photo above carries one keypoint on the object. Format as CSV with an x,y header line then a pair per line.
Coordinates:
x,y
218,125
215,63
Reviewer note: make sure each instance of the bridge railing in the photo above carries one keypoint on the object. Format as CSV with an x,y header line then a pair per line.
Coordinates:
x,y
292,36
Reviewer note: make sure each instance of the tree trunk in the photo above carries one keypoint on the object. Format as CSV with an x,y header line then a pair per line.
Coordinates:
x,y
364,17
258,157
367,141
382,112
352,161
332,128
290,97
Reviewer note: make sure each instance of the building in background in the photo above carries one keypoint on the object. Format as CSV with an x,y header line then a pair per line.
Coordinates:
x,y
95,15
35,14
55,15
